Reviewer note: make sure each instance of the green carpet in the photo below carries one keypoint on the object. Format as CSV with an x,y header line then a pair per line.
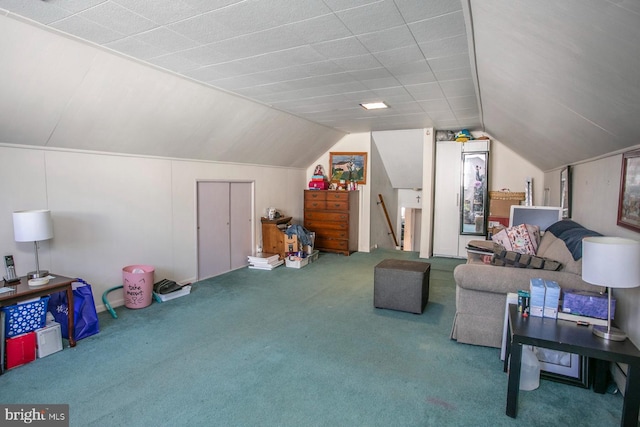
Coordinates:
x,y
293,347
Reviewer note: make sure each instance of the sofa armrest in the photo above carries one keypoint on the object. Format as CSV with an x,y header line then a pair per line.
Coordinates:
x,y
502,280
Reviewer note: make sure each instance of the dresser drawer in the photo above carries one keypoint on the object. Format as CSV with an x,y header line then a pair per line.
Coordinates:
x,y
337,205
315,195
326,216
326,234
342,196
316,225
315,204
341,245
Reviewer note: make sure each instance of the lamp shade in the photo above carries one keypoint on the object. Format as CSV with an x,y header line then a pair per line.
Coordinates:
x,y
611,261
32,226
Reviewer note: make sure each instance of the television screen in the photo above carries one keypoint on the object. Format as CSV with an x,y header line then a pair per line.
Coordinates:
x,y
542,216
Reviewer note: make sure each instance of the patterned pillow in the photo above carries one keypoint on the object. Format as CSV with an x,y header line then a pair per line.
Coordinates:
x,y
523,238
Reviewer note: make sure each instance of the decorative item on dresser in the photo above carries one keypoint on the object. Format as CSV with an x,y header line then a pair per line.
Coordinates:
x,y
333,216
273,235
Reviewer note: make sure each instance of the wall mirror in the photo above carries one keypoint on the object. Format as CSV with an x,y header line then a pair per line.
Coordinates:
x,y
473,194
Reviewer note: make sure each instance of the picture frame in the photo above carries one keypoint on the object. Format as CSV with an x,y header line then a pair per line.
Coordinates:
x,y
348,166
567,368
565,192
629,198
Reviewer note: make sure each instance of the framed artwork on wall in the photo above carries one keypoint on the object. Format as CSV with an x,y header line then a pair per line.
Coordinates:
x,y
350,167
629,200
565,192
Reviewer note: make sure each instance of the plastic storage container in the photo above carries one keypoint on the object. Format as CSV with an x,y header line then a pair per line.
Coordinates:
x,y
137,285
25,317
529,370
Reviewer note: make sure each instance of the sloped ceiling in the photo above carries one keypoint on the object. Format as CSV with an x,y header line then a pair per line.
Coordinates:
x,y
279,82
559,80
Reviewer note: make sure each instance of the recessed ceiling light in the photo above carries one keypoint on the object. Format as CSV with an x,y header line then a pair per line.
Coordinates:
x,y
374,105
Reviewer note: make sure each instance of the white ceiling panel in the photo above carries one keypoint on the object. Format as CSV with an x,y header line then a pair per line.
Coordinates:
x,y
86,29
413,11
320,29
372,18
166,39
136,48
440,27
119,19
162,12
569,66
387,39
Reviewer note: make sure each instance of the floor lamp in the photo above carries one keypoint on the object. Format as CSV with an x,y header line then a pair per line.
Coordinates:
x,y
33,226
613,262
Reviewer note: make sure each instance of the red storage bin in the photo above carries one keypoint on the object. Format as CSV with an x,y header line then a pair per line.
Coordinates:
x,y
20,349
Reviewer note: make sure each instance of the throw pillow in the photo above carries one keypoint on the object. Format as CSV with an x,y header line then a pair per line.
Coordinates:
x,y
522,238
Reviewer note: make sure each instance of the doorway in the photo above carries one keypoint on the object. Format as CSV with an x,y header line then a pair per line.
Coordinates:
x,y
224,226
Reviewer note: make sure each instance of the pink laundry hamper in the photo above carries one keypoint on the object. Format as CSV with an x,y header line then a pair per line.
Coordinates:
x,y
137,285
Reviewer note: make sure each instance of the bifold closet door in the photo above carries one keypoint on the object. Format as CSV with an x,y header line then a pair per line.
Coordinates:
x,y
240,228
224,227
213,229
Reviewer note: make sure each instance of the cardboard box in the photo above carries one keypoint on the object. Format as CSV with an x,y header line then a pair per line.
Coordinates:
x,y
536,297
20,350
290,244
585,303
501,208
551,299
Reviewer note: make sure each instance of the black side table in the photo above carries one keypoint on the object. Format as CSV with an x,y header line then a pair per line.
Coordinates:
x,y
567,336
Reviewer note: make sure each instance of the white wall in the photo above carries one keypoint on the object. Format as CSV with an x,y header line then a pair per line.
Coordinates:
x,y
508,170
356,142
110,211
595,190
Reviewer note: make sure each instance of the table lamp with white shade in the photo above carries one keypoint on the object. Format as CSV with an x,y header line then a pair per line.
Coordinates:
x,y
33,226
613,262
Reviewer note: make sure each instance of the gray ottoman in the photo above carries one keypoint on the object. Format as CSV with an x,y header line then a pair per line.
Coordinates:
x,y
401,285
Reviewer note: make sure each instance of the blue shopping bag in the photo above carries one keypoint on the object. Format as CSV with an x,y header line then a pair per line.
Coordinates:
x,y
85,320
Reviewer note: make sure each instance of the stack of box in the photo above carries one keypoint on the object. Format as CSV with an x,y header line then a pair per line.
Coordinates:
x,y
318,182
536,297
28,334
545,298
551,299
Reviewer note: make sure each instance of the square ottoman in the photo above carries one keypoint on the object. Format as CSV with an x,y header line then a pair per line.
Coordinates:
x,y
401,285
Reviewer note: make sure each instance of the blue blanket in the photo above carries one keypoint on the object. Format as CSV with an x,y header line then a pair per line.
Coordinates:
x,y
571,233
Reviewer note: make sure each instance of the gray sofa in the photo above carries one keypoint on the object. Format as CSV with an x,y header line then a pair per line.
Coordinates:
x,y
481,289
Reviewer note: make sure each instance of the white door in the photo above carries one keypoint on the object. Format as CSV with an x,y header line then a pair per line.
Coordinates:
x,y
446,216
224,227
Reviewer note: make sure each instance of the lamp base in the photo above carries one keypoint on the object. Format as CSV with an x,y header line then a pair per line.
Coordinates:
x,y
612,334
37,274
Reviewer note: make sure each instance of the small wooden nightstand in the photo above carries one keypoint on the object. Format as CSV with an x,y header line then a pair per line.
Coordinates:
x,y
273,235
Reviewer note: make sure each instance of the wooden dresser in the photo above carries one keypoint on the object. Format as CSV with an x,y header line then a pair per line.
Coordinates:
x,y
273,235
333,216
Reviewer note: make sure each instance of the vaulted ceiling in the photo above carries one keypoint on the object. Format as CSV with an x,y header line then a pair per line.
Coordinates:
x,y
278,81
